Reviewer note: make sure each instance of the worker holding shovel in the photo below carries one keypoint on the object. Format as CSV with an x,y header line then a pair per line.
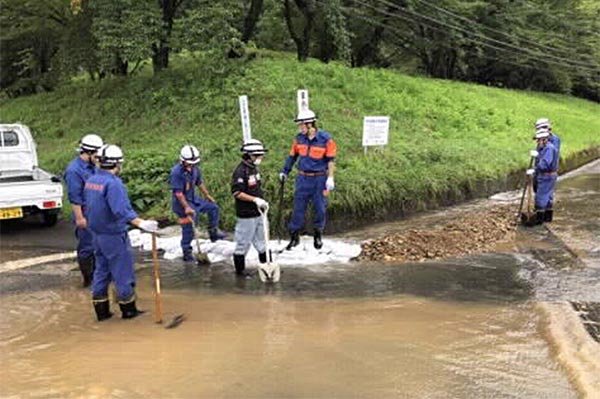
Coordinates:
x,y
544,123
249,203
109,214
546,168
187,205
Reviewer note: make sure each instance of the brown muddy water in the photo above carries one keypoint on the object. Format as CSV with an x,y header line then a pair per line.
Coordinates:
x,y
276,346
461,328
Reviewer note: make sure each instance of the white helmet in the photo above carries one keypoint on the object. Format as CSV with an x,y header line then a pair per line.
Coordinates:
x,y
253,147
189,154
90,143
542,123
305,116
110,155
541,134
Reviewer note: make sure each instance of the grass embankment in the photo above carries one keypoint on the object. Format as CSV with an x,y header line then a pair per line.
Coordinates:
x,y
445,136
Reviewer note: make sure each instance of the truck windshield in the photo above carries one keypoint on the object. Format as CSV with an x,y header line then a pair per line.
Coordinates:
x,y
9,139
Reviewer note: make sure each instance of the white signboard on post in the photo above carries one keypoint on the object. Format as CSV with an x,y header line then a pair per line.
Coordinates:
x,y
245,116
302,98
376,131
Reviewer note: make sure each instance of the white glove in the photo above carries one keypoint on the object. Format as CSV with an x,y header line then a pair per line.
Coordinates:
x,y
330,184
261,204
282,177
533,153
530,172
151,226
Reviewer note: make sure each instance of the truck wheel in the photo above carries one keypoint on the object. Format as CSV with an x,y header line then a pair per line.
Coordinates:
x,y
49,219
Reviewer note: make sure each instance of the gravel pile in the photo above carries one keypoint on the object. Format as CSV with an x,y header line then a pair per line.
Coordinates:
x,y
475,232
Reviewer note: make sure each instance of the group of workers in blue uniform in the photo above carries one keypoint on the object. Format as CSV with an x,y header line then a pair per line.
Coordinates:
x,y
102,211
545,170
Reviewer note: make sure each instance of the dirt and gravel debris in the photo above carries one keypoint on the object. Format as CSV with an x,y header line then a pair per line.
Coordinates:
x,y
475,232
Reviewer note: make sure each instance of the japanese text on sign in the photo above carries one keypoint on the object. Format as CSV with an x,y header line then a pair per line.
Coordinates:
x,y
245,116
375,130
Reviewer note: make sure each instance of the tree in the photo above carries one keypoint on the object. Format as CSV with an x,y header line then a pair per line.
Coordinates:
x,y
29,40
251,19
125,31
332,34
161,49
305,14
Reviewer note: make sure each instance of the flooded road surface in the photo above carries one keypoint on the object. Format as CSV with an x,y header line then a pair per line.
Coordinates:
x,y
276,346
463,328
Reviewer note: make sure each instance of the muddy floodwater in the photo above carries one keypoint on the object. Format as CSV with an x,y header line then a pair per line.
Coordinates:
x,y
237,345
460,328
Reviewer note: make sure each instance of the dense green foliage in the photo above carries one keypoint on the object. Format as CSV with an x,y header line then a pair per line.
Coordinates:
x,y
444,135
525,44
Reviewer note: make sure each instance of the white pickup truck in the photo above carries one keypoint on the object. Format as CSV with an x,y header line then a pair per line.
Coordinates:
x,y
24,188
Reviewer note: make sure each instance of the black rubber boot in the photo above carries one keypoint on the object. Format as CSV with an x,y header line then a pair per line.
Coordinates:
x,y
318,239
239,261
548,215
294,240
129,311
188,256
102,308
540,216
87,265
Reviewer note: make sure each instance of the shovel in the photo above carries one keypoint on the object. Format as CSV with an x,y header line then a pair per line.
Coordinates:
x,y
268,272
201,257
528,181
158,316
278,226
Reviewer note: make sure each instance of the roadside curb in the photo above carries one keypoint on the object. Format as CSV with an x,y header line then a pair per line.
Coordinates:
x,y
339,220
28,262
575,349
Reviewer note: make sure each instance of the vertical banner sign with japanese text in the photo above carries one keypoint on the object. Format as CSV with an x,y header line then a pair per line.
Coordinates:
x,y
375,131
245,116
302,98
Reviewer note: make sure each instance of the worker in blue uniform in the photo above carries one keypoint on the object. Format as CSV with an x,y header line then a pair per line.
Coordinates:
x,y
544,123
187,205
77,173
109,214
546,168
314,151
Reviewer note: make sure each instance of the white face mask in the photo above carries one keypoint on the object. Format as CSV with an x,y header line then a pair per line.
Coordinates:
x,y
257,161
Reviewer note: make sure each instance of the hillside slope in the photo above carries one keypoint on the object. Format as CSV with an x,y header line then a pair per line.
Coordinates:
x,y
445,136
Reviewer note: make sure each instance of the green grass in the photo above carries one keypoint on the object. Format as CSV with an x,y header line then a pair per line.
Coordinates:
x,y
444,134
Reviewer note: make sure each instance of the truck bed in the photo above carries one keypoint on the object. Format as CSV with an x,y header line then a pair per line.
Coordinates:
x,y
40,190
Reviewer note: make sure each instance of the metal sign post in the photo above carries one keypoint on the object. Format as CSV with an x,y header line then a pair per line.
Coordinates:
x,y
245,116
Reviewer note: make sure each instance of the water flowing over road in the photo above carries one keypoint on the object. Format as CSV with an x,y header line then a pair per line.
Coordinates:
x,y
458,328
